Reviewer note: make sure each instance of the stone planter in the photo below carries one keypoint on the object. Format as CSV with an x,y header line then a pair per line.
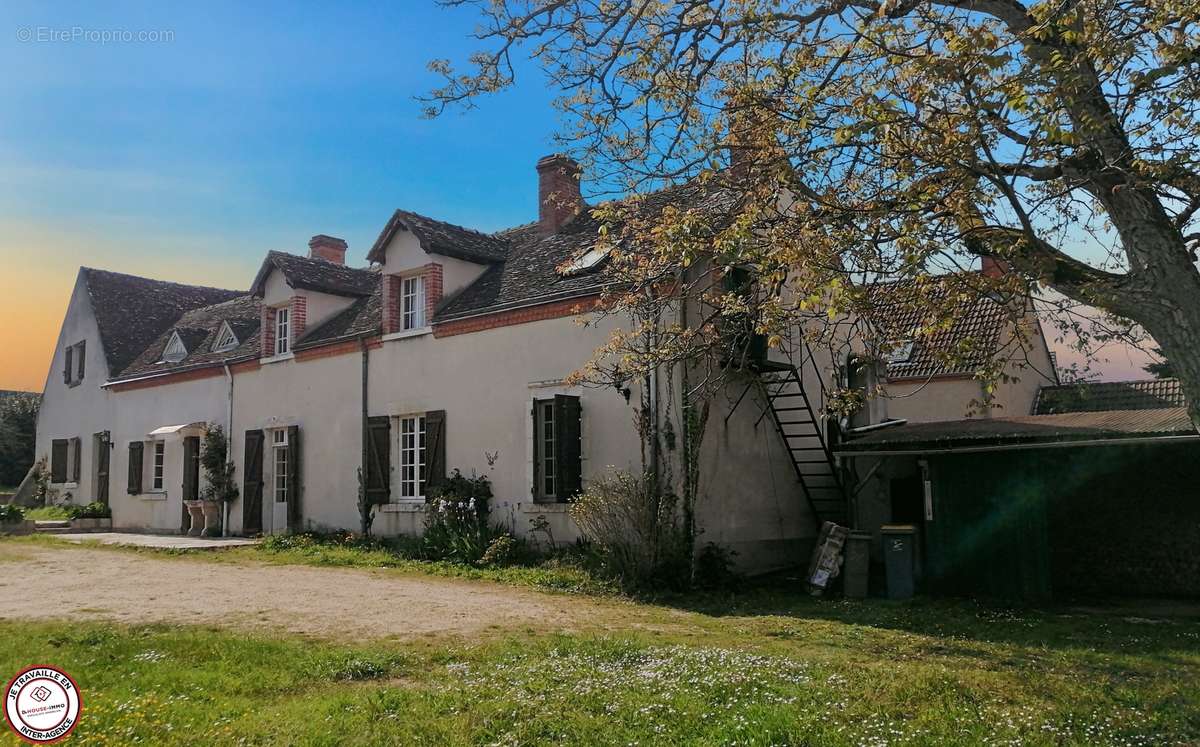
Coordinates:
x,y
196,514
212,518
16,527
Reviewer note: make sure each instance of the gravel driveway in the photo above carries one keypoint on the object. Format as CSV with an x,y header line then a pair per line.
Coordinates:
x,y
78,583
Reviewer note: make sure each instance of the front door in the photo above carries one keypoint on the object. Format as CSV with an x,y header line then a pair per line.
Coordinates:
x,y
191,476
103,444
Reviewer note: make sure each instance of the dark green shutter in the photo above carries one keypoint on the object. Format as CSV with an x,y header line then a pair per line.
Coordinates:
x,y
103,443
379,461
252,483
58,460
534,491
81,359
136,449
568,446
68,369
77,455
293,480
191,477
435,449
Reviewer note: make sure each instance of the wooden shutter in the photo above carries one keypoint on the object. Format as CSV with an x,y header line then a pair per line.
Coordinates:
x,y
76,454
191,468
568,446
534,492
81,359
136,450
293,480
103,454
68,369
379,460
435,448
58,460
252,483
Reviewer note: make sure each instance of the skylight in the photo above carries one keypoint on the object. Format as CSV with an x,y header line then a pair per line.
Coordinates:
x,y
226,339
585,261
901,353
175,350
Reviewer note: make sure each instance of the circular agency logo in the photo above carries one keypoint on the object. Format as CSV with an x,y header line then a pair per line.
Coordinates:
x,y
42,704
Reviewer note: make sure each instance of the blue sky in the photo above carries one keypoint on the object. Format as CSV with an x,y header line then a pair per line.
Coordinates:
x,y
248,129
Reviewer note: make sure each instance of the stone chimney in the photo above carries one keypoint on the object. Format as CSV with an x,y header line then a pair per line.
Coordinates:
x,y
559,198
328,248
995,268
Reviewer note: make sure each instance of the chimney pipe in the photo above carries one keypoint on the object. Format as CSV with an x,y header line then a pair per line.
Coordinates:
x,y
559,198
328,248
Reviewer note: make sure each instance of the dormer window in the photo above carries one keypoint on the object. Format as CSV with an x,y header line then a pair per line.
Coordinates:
x,y
226,339
412,303
282,329
175,350
902,353
585,261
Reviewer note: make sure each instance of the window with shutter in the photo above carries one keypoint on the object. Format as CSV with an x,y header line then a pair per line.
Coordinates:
x,y
557,448
80,359
136,449
68,369
413,455
58,460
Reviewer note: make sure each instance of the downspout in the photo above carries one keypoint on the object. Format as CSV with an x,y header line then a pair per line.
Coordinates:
x,y
228,443
362,341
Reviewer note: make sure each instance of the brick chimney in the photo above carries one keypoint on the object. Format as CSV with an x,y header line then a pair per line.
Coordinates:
x,y
995,268
328,248
559,198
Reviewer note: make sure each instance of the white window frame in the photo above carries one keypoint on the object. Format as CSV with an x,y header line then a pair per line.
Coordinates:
x,y
414,458
283,328
226,339
412,302
175,350
158,466
544,470
279,465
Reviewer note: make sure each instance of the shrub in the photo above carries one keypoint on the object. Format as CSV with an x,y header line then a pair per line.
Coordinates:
x,y
93,510
635,530
11,513
715,568
504,549
218,469
456,520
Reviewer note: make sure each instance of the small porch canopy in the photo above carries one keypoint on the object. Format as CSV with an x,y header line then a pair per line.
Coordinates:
x,y
1074,429
182,429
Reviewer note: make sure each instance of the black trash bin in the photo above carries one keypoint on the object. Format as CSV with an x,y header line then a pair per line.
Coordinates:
x,y
898,559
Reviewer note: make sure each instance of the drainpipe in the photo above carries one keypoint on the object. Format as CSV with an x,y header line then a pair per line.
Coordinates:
x,y
362,341
228,443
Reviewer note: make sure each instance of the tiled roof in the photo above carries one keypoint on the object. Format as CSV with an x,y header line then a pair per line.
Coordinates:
x,y
967,343
1110,395
439,237
363,317
530,274
199,329
315,274
1074,426
132,311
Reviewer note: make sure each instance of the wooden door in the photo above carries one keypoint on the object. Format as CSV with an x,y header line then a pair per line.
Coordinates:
x,y
252,484
103,451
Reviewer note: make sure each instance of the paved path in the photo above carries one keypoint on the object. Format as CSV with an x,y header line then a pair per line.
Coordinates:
x,y
37,581
161,541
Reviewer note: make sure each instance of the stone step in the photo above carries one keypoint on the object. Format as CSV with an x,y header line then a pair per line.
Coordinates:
x,y
52,526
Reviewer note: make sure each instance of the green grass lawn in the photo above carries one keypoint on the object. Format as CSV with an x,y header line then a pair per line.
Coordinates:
x,y
769,665
769,669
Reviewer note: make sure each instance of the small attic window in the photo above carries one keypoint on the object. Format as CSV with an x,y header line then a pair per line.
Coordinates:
x,y
175,350
585,261
226,339
902,353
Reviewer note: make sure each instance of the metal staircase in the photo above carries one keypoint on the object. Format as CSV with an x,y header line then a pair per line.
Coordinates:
x,y
796,421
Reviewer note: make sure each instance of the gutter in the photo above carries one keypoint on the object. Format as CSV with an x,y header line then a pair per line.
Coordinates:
x,y
1022,446
181,369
